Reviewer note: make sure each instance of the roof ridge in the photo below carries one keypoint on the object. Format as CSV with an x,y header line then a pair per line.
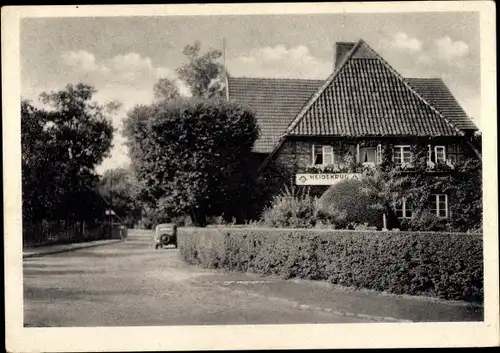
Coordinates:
x,y
424,78
413,90
324,86
276,78
311,101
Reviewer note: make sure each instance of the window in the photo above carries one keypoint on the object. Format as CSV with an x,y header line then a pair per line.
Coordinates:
x,y
438,155
404,209
368,155
454,153
317,155
323,155
379,154
439,205
327,155
402,154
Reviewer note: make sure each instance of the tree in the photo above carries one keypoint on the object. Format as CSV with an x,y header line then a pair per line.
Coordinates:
x,y
165,89
383,186
192,156
120,188
61,146
202,73
38,177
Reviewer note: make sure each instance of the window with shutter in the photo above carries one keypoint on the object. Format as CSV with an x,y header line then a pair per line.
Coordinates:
x,y
379,154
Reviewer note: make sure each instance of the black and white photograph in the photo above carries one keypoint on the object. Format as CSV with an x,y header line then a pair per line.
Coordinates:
x,y
250,176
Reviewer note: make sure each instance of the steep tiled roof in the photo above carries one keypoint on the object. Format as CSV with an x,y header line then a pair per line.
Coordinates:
x,y
366,97
275,102
434,91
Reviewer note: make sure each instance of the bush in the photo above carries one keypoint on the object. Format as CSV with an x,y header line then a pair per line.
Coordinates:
x,y
447,265
426,221
348,196
296,208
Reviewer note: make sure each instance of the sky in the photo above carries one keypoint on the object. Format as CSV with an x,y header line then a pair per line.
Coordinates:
x,y
124,56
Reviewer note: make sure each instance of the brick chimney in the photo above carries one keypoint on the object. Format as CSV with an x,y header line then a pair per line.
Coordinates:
x,y
341,49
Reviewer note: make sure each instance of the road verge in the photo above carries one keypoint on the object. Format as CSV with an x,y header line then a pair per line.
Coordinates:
x,y
57,249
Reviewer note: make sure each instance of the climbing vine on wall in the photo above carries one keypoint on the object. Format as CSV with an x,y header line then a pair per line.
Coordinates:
x,y
463,185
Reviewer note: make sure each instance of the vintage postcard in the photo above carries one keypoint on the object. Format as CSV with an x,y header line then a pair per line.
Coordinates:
x,y
250,176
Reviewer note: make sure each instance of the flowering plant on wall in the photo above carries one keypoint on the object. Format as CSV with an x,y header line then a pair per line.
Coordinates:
x,y
336,168
406,166
440,166
327,168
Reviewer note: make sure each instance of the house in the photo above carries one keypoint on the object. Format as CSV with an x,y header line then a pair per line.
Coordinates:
x,y
363,114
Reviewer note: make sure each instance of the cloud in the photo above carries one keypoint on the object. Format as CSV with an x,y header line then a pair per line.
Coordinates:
x,y
131,62
432,57
82,60
280,61
446,48
404,42
128,78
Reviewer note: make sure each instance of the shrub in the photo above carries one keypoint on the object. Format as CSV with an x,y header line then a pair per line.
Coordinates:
x,y
425,221
290,212
348,196
296,208
447,265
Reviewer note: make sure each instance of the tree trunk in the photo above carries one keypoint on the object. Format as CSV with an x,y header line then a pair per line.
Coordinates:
x,y
199,218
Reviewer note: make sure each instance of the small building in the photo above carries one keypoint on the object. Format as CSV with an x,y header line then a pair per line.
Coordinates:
x,y
365,112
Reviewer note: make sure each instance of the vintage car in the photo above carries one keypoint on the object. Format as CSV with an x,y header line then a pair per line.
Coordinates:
x,y
165,234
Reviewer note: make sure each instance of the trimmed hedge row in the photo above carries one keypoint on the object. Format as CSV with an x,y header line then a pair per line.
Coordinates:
x,y
446,265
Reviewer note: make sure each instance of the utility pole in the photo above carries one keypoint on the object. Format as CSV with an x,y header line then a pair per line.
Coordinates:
x,y
111,206
226,81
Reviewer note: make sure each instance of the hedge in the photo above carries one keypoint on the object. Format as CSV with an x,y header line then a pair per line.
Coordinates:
x,y
446,265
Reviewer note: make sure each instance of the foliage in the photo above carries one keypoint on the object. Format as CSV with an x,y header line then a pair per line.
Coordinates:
x,y
425,221
295,207
165,89
120,187
289,210
61,145
193,156
462,183
349,196
445,265
202,73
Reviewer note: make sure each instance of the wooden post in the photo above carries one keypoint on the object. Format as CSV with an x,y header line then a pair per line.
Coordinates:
x,y
384,219
357,153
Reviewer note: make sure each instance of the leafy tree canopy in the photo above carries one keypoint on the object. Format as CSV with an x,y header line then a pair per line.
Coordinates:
x,y
165,89
61,146
193,156
120,188
202,73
